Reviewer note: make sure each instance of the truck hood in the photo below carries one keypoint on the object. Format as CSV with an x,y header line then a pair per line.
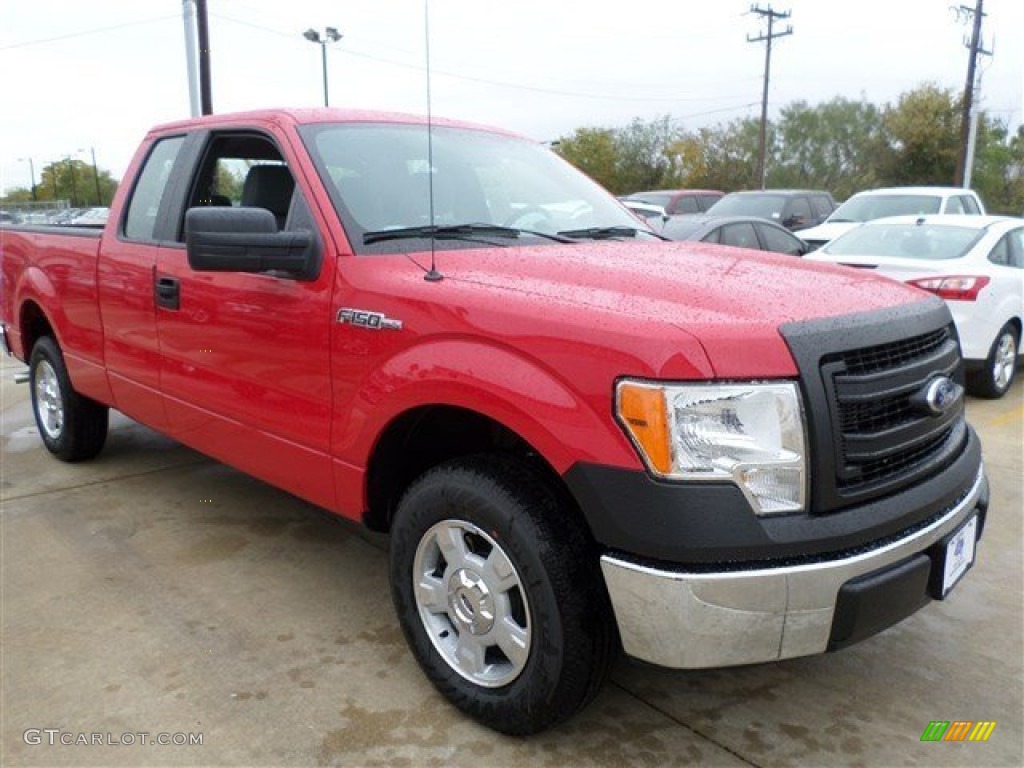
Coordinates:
x,y
731,301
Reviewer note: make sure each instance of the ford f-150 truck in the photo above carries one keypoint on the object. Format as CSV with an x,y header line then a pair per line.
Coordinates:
x,y
580,438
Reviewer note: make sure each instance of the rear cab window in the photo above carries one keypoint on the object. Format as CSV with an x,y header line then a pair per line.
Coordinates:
x,y
140,221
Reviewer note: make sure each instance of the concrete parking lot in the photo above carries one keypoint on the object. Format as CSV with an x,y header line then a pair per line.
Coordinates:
x,y
154,591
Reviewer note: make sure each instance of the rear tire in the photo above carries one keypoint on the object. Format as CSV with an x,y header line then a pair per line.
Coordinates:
x,y
996,375
499,593
73,427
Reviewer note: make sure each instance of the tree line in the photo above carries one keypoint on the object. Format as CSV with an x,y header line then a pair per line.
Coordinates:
x,y
843,146
71,180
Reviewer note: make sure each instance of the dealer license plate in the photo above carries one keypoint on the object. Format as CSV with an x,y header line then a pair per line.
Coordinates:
x,y
959,554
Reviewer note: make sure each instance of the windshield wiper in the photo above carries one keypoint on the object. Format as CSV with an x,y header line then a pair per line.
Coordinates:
x,y
455,232
600,233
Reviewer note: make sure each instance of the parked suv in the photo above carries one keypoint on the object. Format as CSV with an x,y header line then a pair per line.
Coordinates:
x,y
676,201
893,201
794,209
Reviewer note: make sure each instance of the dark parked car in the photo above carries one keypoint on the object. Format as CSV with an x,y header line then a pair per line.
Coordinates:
x,y
679,200
794,209
737,231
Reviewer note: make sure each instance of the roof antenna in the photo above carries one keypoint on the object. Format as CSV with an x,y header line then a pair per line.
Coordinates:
x,y
433,275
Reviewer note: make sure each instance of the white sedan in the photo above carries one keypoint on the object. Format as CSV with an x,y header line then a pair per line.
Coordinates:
x,y
975,263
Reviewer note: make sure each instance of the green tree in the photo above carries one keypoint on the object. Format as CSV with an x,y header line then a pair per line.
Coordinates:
x,y
639,156
723,156
17,195
74,181
644,157
593,151
999,167
920,138
829,146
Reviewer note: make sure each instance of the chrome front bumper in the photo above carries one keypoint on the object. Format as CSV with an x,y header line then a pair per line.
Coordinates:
x,y
695,620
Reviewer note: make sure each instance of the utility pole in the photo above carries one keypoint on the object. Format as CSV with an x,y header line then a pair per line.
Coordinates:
x,y
203,28
772,16
96,176
968,126
188,14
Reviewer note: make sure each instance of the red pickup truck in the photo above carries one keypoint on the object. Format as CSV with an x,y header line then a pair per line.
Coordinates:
x,y
580,438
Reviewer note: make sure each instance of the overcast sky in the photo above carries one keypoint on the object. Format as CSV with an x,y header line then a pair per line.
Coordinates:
x,y
80,75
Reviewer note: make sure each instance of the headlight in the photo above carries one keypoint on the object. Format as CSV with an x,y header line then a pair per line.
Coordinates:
x,y
750,434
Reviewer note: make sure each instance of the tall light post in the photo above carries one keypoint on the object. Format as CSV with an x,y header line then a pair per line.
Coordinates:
x,y
32,173
330,35
95,175
74,187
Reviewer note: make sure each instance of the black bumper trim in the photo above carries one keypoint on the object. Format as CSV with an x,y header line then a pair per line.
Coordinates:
x,y
710,523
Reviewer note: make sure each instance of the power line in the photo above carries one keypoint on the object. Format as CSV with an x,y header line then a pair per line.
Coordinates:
x,y
473,79
767,39
85,32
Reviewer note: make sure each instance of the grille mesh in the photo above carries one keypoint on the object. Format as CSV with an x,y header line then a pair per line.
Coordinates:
x,y
902,437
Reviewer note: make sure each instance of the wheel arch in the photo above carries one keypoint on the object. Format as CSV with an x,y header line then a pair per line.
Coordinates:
x,y
428,435
33,324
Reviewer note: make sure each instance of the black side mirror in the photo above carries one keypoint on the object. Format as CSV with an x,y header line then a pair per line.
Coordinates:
x,y
246,240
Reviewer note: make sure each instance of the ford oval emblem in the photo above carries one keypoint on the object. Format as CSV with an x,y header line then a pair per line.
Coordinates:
x,y
940,394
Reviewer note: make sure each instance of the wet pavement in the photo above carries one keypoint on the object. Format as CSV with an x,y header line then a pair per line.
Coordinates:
x,y
154,591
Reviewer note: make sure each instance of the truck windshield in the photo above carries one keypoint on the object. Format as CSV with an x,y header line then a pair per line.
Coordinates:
x,y
378,177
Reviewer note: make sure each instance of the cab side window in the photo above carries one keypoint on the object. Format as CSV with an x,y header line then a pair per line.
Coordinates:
x,y
141,218
244,170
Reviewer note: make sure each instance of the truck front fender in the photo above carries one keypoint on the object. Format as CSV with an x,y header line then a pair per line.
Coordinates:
x,y
564,421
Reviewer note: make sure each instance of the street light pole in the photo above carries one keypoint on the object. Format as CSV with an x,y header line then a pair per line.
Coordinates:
x,y
32,173
96,176
331,35
74,189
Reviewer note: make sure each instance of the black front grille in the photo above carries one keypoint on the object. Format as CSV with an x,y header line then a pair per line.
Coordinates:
x,y
883,438
890,466
895,354
863,378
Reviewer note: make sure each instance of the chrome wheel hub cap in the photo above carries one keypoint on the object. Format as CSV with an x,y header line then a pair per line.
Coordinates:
x,y
472,603
49,402
1005,360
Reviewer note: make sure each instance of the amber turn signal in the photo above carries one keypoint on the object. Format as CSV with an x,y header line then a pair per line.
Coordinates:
x,y
642,412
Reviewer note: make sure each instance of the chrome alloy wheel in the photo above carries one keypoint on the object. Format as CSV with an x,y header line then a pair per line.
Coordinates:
x,y
49,400
1004,360
472,603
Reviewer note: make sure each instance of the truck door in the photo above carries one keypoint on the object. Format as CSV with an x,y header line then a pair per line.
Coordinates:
x,y
126,267
244,358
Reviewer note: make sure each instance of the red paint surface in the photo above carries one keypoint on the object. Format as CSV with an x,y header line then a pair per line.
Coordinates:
x,y
255,370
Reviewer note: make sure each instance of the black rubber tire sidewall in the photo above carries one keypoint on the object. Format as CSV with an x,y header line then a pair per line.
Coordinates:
x,y
85,421
572,633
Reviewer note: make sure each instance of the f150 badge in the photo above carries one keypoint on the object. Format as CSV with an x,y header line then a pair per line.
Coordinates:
x,y
375,321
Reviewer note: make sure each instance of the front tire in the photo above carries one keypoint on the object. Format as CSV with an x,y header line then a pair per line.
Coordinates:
x,y
73,427
499,594
993,380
